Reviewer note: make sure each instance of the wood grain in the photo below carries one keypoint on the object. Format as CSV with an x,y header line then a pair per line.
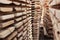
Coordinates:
x,y
4,17
18,14
7,23
18,19
6,9
18,24
5,33
12,35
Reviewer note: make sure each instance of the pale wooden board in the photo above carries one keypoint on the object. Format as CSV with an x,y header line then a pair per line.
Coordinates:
x,y
6,9
18,24
25,28
18,8
21,28
18,19
24,17
24,33
24,12
15,38
26,24
28,12
20,33
20,38
4,17
12,35
23,0
16,3
5,1
18,14
24,20
5,33
23,4
7,23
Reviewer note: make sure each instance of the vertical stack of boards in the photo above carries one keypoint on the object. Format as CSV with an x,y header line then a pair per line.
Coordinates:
x,y
36,16
15,20
49,27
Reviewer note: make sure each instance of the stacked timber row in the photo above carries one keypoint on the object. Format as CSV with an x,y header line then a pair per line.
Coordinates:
x,y
15,20
36,11
33,12
48,27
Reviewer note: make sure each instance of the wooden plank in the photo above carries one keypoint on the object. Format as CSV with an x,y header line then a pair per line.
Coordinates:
x,y
15,38
18,19
24,17
24,33
9,5
6,32
20,38
20,29
5,24
19,34
18,14
4,17
18,8
20,1
17,25
6,9
12,35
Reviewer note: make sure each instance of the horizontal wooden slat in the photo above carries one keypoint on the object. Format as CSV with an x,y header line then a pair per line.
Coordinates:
x,y
18,8
6,9
15,38
19,34
20,38
20,29
17,25
4,17
5,24
25,28
20,1
12,35
24,17
18,19
24,33
9,5
18,14
5,33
